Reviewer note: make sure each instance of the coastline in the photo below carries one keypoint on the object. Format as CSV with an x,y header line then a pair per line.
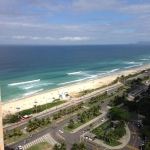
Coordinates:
x,y
72,90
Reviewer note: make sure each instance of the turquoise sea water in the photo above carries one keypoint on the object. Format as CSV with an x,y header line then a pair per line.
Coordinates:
x,y
26,70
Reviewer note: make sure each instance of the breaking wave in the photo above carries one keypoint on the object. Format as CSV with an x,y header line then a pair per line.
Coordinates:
x,y
133,66
113,70
72,73
29,87
33,92
72,81
26,82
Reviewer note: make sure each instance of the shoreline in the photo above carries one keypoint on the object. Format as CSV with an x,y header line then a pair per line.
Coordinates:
x,y
48,96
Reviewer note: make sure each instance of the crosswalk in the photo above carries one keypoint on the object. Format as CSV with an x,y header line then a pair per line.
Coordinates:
x,y
131,147
136,133
45,138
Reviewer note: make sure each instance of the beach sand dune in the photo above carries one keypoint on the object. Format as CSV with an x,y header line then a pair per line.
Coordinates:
x,y
72,90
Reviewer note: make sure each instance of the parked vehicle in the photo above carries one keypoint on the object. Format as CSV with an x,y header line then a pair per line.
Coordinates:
x,y
61,131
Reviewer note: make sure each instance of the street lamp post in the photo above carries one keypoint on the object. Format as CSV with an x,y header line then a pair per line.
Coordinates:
x,y
18,107
36,105
46,103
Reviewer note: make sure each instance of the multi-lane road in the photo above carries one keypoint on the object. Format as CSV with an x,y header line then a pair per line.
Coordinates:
x,y
70,138
54,135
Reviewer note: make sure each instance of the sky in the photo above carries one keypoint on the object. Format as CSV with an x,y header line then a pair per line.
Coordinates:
x,y
74,22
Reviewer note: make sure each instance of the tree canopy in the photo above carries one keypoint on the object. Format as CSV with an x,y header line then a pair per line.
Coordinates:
x,y
118,113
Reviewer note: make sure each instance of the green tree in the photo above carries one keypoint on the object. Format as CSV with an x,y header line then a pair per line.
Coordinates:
x,y
56,147
91,126
118,113
82,146
75,146
71,124
14,118
63,146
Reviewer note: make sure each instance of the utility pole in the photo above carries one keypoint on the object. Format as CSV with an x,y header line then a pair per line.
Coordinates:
x,y
1,126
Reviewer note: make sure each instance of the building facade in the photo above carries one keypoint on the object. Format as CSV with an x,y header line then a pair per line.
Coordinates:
x,y
1,127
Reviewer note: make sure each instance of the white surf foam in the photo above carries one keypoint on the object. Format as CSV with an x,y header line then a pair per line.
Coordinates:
x,y
113,70
33,92
131,62
101,74
26,82
72,81
72,73
93,76
144,59
133,66
29,87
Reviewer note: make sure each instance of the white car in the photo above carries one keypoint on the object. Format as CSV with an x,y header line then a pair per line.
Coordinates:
x,y
19,147
103,119
61,131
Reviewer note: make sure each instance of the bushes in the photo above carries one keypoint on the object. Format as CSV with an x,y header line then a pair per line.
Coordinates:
x,y
36,123
98,98
117,100
14,132
14,118
67,111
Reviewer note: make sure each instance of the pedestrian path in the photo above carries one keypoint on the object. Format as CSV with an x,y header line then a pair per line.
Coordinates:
x,y
45,138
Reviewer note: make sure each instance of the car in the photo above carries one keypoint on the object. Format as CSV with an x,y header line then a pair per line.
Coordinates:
x,y
25,141
90,139
19,147
139,125
103,119
61,131
142,143
31,135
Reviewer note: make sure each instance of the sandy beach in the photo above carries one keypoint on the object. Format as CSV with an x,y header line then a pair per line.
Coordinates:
x,y
72,90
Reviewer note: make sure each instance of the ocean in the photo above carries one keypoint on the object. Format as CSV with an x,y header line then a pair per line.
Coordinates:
x,y
26,70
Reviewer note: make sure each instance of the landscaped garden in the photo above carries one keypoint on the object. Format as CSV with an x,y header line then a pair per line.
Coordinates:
x,y
112,130
82,118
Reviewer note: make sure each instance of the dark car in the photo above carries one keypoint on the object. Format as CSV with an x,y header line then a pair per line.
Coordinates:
x,y
31,135
25,141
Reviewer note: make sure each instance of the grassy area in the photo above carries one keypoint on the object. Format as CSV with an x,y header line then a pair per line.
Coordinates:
x,y
76,125
111,96
41,146
15,138
113,143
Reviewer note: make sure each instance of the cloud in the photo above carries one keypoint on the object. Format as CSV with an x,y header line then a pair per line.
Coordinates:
x,y
74,38
136,9
32,38
19,37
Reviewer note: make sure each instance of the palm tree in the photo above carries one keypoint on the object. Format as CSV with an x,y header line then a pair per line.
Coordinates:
x,y
63,146
82,146
48,120
121,124
79,116
56,147
15,131
91,126
71,123
75,146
